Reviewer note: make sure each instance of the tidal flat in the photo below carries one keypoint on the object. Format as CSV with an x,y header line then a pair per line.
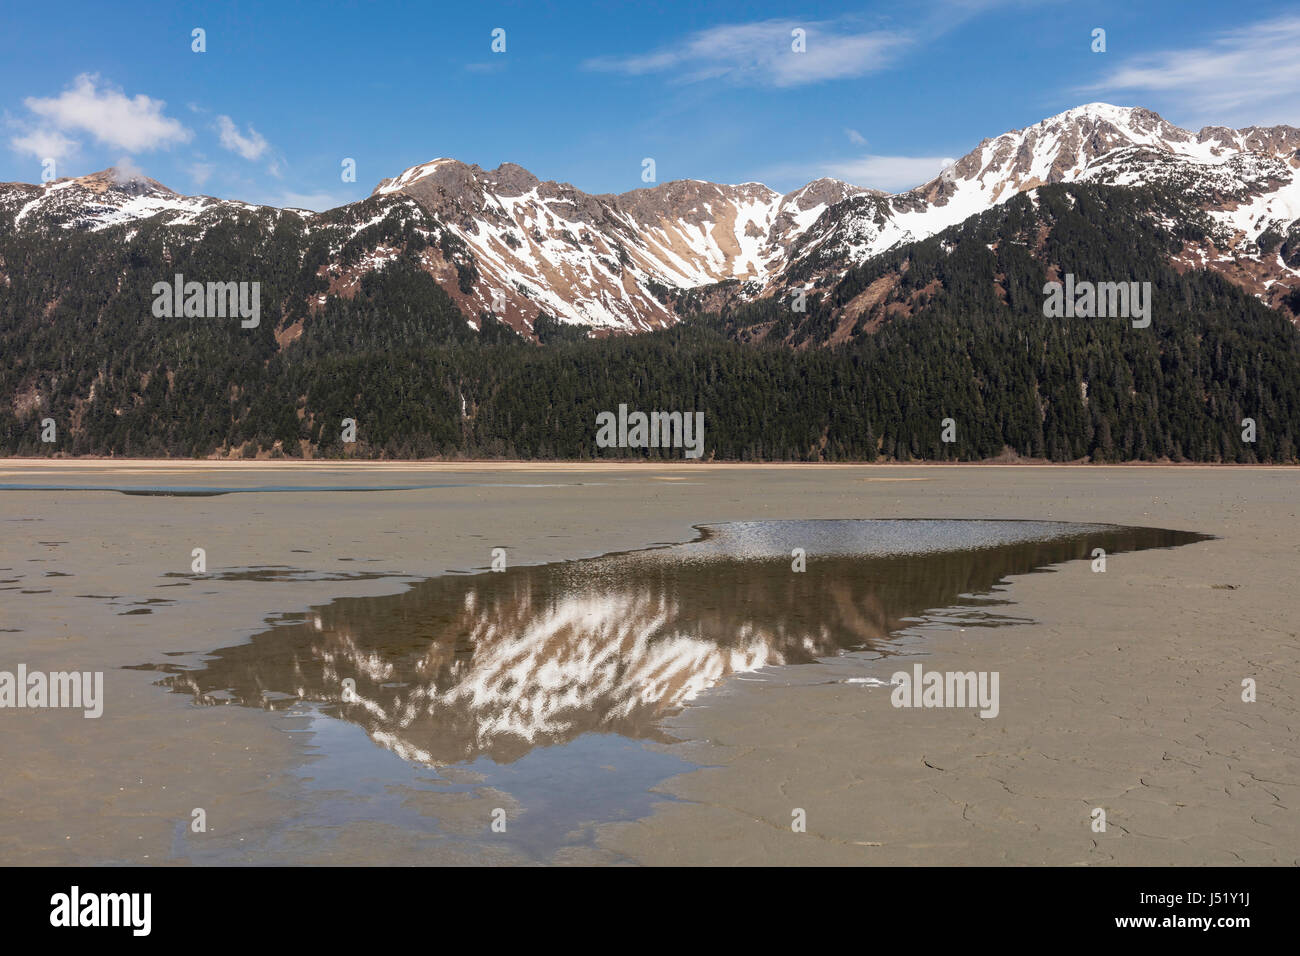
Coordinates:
x,y
646,679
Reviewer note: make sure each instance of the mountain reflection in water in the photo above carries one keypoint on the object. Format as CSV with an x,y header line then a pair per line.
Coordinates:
x,y
496,664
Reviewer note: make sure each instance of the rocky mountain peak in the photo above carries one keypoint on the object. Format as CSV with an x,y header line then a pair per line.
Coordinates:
x,y
626,261
127,182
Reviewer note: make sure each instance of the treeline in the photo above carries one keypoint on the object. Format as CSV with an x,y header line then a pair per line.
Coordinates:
x,y
972,346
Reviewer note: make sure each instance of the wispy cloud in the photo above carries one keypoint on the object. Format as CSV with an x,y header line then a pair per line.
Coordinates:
x,y
125,170
200,173
1246,74
890,173
45,144
764,54
856,138
316,202
132,123
250,147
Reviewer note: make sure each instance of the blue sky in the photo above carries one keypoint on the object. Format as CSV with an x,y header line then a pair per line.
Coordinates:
x,y
882,95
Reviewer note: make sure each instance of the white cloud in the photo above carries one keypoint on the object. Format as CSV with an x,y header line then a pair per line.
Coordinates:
x,y
45,144
200,173
316,202
856,138
890,173
251,146
134,123
125,170
761,54
1246,74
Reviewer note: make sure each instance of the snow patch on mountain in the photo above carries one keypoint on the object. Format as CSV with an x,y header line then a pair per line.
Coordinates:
x,y
622,261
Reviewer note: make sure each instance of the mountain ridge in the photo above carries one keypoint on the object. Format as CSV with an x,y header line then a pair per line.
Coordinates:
x,y
357,325
639,260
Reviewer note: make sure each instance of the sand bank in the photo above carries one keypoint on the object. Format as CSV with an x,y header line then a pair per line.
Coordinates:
x,y
1125,694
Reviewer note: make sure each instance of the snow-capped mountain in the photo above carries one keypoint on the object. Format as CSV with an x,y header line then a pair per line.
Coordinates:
x,y
607,260
517,246
1247,181
105,199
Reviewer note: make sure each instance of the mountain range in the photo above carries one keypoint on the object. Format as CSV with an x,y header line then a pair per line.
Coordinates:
x,y
462,312
622,263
